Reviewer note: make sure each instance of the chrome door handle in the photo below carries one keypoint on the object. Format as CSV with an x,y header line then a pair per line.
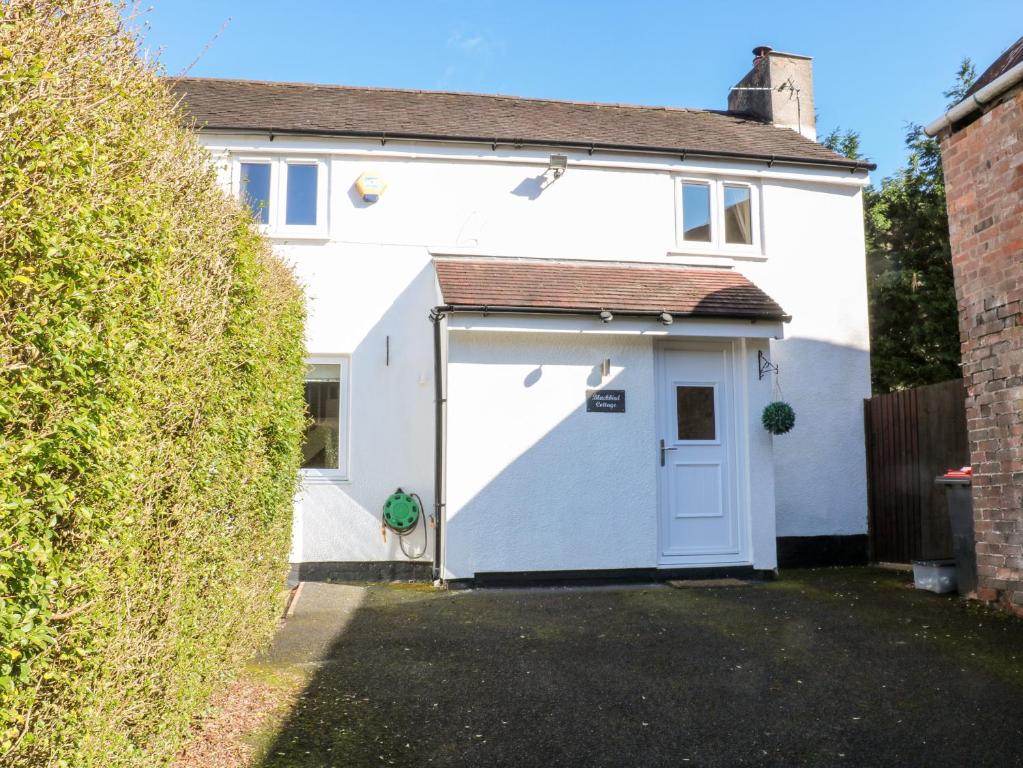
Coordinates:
x,y
664,449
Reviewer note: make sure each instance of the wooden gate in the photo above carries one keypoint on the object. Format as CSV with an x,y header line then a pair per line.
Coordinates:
x,y
912,437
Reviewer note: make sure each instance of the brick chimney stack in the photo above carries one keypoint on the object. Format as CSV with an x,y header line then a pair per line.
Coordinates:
x,y
778,90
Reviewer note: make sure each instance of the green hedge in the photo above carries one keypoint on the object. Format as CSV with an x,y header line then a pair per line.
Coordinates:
x,y
150,403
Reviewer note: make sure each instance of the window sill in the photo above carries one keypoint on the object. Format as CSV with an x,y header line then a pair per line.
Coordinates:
x,y
279,237
715,258
323,477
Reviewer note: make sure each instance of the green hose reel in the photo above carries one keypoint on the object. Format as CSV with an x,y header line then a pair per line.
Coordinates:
x,y
402,512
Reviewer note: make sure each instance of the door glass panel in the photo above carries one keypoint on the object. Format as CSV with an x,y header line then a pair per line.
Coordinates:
x,y
695,411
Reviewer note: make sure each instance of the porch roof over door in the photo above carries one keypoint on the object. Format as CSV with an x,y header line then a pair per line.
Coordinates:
x,y
565,287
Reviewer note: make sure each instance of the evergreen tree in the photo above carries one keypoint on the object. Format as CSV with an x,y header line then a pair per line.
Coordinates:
x,y
914,331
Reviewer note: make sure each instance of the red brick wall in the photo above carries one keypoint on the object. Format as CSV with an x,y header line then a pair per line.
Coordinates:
x,y
983,165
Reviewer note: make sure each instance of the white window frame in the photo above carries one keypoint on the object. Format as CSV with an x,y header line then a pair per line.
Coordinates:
x,y
717,244
341,472
236,184
277,204
717,411
711,210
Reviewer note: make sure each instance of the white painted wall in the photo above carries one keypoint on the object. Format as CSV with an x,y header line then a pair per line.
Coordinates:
x,y
535,482
354,305
815,270
370,277
761,489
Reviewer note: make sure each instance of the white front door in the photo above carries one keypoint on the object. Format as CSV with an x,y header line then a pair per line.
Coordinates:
x,y
696,454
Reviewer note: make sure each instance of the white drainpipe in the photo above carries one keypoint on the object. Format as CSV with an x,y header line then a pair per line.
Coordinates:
x,y
975,101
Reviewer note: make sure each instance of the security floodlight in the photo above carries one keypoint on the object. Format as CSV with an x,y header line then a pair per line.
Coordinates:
x,y
605,316
557,164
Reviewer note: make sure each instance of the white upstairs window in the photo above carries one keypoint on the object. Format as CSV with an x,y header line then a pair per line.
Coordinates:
x,y
715,215
738,214
254,188
287,196
696,212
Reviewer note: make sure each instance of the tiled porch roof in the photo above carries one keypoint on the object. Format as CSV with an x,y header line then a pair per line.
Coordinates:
x,y
564,286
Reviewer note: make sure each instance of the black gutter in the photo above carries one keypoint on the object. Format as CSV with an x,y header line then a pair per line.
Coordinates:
x,y
485,309
439,448
588,146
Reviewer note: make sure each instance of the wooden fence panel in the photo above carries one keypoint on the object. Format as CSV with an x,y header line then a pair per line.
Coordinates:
x,y
912,436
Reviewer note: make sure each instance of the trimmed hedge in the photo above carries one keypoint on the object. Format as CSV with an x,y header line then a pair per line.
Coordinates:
x,y
151,406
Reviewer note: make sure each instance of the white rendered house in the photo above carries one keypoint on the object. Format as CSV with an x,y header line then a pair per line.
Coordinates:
x,y
556,323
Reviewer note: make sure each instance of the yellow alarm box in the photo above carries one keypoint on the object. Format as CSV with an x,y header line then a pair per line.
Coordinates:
x,y
370,186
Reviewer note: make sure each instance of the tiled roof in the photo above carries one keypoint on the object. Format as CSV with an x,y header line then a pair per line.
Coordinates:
x,y
1012,56
595,286
506,120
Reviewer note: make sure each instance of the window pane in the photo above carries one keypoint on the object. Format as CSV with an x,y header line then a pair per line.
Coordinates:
x,y
695,413
738,216
323,372
301,194
255,189
321,449
696,212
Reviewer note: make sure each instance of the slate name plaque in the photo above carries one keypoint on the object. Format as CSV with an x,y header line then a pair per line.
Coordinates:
x,y
605,401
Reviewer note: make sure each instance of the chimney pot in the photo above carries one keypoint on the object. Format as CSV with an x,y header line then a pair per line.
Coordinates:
x,y
760,52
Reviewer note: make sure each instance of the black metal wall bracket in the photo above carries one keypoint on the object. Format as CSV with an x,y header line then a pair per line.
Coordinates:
x,y
766,366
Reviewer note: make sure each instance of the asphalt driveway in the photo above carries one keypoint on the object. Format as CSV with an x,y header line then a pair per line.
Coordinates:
x,y
846,667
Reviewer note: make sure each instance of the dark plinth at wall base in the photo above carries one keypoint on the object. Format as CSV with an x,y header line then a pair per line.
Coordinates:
x,y
793,552
818,551
377,571
608,576
385,571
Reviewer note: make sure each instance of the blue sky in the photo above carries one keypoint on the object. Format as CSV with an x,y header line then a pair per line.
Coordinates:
x,y
877,65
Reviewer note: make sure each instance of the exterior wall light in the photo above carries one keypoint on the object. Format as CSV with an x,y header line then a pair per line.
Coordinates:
x,y
666,318
557,164
605,316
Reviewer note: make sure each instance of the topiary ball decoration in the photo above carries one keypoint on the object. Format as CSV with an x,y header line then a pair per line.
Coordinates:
x,y
778,418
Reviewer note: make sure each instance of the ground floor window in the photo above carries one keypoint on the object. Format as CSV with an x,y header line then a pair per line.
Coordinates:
x,y
325,448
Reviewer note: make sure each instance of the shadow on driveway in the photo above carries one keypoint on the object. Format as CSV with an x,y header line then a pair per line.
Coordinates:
x,y
820,668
